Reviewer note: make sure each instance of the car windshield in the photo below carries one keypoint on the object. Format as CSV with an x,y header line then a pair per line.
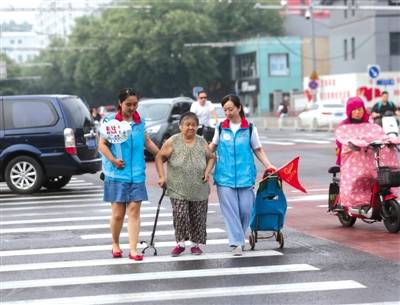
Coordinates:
x,y
153,112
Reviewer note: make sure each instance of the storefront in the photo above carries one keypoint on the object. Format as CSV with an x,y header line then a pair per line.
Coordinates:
x,y
263,67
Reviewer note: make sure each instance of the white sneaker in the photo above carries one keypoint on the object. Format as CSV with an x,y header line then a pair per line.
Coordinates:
x,y
237,251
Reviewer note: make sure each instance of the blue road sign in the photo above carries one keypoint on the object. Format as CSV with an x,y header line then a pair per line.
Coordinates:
x,y
385,82
196,91
313,84
373,71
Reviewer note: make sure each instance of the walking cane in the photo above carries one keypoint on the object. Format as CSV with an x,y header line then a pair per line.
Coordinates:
x,y
151,245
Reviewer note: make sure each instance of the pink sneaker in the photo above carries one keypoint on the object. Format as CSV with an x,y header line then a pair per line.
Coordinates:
x,y
177,250
196,250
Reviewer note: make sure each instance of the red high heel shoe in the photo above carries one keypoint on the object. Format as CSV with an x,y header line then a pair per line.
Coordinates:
x,y
136,257
116,253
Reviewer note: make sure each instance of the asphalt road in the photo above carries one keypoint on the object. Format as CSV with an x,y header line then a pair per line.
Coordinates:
x,y
55,248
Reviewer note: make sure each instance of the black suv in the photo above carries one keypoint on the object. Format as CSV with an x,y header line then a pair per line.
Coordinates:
x,y
44,140
162,117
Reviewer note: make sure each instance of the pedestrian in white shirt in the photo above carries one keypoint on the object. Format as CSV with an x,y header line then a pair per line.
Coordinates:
x,y
204,109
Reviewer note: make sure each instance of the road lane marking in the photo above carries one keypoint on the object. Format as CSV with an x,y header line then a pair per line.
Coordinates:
x,y
308,198
60,193
311,141
311,190
277,143
86,218
183,294
56,213
142,234
58,207
61,196
72,227
161,275
126,261
73,219
379,303
41,251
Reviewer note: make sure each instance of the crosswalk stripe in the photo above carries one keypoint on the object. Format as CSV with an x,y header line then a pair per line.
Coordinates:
x,y
277,143
159,233
78,184
95,200
161,244
125,261
61,196
63,199
311,141
309,198
311,190
58,207
140,297
161,275
71,227
72,219
55,213
379,303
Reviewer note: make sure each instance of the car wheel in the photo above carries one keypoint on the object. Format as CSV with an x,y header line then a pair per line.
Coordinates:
x,y
24,175
55,183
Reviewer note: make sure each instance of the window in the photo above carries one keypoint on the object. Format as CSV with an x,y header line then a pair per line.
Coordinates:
x,y
278,64
345,49
12,41
28,114
176,109
186,107
394,43
353,48
246,66
77,112
345,10
353,11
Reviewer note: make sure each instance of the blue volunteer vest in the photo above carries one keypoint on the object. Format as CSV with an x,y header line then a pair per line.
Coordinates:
x,y
133,156
235,162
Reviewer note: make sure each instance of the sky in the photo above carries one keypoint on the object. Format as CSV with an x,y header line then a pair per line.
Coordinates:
x,y
18,17
29,16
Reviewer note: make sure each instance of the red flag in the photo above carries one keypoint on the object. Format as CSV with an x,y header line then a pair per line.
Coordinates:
x,y
289,174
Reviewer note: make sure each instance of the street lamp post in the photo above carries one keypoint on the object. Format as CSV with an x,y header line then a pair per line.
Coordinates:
x,y
314,75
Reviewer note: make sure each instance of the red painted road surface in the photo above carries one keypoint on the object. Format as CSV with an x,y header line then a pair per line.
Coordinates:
x,y
306,217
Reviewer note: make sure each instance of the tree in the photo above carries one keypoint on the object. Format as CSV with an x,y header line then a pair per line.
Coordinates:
x,y
146,49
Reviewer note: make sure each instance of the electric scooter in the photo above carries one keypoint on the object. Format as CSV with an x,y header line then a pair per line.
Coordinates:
x,y
383,205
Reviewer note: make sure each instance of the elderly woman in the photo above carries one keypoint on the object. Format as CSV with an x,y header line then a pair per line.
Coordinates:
x,y
189,162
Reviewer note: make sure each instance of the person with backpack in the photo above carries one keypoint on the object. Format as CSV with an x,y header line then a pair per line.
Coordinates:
x,y
380,108
235,140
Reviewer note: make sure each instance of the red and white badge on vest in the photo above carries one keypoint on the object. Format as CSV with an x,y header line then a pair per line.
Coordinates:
x,y
115,132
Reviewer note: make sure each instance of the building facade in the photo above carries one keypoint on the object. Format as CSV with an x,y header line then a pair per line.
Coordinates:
x,y
20,46
361,37
266,69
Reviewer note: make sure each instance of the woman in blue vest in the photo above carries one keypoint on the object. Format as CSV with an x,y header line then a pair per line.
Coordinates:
x,y
235,141
124,169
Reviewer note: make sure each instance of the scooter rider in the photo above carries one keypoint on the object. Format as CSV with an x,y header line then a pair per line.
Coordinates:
x,y
204,109
379,109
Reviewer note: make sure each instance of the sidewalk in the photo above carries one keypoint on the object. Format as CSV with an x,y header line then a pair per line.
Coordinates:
x,y
289,123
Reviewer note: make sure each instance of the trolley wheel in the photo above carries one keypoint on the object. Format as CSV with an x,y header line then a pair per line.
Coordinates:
x,y
252,240
280,239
